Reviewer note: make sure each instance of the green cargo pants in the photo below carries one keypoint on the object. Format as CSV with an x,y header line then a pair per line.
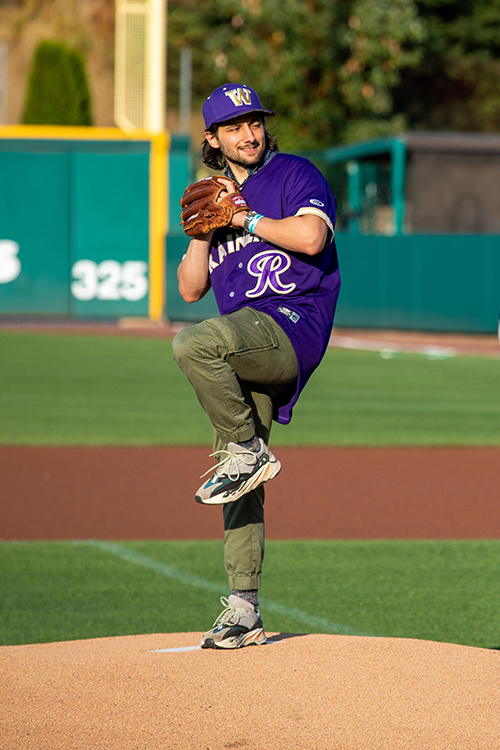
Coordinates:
x,y
234,362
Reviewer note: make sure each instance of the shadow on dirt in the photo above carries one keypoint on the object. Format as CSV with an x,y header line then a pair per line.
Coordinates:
x,y
284,637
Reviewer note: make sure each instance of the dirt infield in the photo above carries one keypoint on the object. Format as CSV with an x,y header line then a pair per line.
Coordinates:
x,y
320,692
345,493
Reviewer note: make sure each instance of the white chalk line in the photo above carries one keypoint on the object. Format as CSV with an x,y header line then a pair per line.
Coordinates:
x,y
174,650
390,349
178,649
137,558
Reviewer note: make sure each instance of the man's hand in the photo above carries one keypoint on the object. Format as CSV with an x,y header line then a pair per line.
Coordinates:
x,y
232,189
209,204
306,234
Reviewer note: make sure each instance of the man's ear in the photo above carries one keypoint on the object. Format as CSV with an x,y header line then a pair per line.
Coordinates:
x,y
212,139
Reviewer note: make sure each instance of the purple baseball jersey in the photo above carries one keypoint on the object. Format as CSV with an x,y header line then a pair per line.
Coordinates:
x,y
299,291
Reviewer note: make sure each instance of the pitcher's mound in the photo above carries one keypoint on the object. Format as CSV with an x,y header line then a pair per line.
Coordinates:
x,y
312,692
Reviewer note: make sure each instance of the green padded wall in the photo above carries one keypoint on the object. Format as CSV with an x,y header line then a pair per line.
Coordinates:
x,y
34,232
74,227
420,282
415,282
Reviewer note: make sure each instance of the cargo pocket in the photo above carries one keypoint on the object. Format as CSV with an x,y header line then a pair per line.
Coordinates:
x,y
245,331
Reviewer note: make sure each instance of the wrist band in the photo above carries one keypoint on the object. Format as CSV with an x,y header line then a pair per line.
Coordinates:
x,y
253,222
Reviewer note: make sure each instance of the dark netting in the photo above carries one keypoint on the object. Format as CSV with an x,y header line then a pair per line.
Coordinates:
x,y
453,192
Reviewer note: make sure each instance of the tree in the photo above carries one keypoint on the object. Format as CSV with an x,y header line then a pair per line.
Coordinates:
x,y
83,97
457,85
58,93
328,68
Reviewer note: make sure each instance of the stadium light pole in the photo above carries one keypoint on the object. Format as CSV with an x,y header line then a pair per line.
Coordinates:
x,y
185,86
4,79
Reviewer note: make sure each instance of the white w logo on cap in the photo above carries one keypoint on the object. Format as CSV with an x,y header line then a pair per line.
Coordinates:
x,y
239,97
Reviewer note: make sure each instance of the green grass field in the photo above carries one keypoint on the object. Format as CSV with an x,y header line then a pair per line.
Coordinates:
x,y
79,390
442,591
82,390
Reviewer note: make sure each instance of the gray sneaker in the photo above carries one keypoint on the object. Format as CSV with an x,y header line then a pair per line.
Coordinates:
x,y
240,472
237,626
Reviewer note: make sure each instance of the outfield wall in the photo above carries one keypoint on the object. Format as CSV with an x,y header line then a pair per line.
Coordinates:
x,y
83,219
411,282
84,215
420,282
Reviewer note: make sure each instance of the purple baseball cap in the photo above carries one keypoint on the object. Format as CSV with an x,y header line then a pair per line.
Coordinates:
x,y
229,101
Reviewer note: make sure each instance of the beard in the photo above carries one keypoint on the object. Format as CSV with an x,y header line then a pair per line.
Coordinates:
x,y
240,158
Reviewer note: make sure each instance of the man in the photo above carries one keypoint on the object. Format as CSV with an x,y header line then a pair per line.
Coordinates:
x,y
275,277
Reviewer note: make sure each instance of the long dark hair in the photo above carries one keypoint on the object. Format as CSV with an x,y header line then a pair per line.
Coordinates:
x,y
213,158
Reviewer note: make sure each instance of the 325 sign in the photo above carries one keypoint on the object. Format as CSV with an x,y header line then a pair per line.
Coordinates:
x,y
110,280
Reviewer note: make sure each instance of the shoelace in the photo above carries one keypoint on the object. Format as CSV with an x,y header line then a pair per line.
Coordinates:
x,y
230,465
228,614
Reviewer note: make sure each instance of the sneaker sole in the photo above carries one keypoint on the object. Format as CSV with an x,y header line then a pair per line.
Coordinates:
x,y
253,638
265,473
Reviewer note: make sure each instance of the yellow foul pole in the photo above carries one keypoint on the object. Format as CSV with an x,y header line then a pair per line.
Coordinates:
x,y
155,117
140,88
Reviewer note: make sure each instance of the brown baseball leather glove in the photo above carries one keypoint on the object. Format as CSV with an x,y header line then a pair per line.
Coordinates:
x,y
207,205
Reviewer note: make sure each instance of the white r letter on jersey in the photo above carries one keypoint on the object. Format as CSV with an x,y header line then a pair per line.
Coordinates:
x,y
267,267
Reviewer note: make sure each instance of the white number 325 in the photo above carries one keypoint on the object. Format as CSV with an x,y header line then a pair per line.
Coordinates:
x,y
110,280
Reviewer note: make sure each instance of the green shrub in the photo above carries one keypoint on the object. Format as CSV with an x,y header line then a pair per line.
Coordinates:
x,y
58,93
